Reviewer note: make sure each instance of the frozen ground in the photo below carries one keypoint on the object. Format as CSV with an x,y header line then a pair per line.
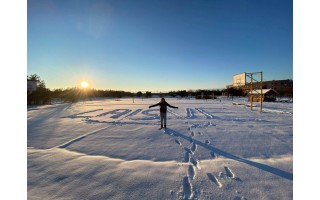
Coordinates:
x,y
108,149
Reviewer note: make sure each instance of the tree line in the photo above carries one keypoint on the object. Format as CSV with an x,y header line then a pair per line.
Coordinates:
x,y
43,95
207,94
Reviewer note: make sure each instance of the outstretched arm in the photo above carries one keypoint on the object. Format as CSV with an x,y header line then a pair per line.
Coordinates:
x,y
154,105
171,106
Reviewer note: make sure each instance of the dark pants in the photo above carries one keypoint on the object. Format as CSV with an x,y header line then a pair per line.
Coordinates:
x,y
163,119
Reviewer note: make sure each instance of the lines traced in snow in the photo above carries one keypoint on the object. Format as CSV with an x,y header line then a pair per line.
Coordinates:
x,y
115,113
92,121
214,180
204,125
77,114
277,111
190,113
176,114
133,113
150,116
208,116
79,138
118,113
105,113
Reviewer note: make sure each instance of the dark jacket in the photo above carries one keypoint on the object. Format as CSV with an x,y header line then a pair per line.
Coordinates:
x,y
163,106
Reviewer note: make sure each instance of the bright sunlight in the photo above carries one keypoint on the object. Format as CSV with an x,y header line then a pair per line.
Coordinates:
x,y
84,84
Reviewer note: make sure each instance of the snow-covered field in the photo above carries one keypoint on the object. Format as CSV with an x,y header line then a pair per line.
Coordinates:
x,y
113,149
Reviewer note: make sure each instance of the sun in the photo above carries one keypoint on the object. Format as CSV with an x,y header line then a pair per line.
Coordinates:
x,y
84,84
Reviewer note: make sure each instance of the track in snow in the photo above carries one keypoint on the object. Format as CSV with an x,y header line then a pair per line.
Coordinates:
x,y
214,179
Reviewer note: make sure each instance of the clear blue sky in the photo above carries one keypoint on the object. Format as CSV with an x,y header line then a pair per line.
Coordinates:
x,y
158,45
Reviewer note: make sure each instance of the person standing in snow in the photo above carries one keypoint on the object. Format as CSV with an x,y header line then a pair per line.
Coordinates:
x,y
163,111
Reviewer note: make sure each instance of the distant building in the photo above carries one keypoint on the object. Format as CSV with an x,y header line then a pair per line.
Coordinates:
x,y
268,95
282,87
31,86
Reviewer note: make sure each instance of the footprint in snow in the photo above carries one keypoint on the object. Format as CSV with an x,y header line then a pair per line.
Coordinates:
x,y
213,155
194,147
214,179
187,188
191,172
192,133
187,157
188,150
229,173
195,162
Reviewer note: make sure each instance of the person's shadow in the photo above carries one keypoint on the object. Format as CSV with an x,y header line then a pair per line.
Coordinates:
x,y
264,167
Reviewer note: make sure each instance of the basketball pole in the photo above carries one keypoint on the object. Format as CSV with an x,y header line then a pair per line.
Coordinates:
x,y
261,95
238,81
251,92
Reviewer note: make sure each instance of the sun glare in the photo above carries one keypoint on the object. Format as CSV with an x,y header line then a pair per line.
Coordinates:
x,y
84,84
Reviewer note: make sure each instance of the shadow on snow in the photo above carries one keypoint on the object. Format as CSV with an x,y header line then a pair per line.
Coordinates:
x,y
264,167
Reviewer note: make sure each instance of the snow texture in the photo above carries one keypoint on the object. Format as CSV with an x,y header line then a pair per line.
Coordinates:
x,y
107,149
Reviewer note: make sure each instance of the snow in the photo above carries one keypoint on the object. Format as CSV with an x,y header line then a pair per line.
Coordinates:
x,y
264,91
107,149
